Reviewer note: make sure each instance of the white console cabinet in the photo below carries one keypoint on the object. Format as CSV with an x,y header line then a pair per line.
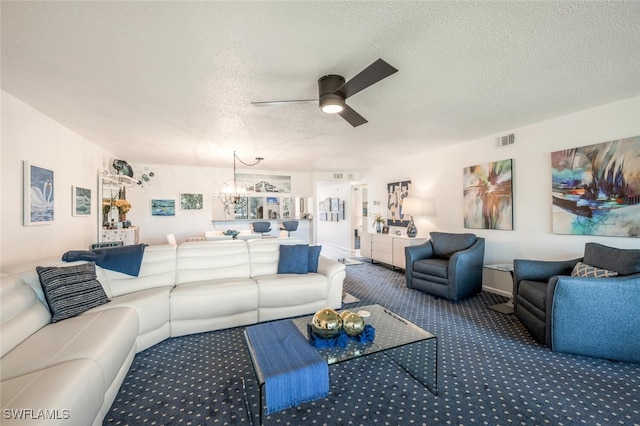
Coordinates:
x,y
386,248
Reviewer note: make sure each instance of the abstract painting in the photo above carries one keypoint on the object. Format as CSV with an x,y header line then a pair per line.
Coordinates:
x,y
596,189
163,207
488,196
396,193
81,201
191,201
38,195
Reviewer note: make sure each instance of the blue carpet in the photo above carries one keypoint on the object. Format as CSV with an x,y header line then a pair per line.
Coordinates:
x,y
490,372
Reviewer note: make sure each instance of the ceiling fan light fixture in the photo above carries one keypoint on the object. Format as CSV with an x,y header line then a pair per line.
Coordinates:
x,y
331,104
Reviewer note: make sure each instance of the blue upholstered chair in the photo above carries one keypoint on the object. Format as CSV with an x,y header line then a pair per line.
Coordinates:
x,y
448,265
289,226
261,227
570,310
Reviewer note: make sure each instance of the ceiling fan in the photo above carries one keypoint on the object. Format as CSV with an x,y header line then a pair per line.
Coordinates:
x,y
332,91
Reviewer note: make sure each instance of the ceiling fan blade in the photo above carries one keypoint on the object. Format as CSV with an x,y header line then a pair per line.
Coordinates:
x,y
293,101
368,76
352,116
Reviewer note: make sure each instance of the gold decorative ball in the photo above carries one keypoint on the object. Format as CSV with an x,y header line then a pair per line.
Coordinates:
x,y
344,313
353,324
326,323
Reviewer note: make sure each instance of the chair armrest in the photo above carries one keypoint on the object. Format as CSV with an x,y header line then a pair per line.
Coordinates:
x,y
465,268
539,270
413,253
421,251
595,317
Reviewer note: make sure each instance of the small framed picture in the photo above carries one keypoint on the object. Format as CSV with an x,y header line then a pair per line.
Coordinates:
x,y
335,204
81,201
163,207
385,229
191,201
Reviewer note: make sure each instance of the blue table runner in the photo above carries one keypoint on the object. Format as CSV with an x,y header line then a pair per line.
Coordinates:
x,y
294,372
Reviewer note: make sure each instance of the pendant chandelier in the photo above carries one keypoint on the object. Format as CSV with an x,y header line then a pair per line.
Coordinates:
x,y
233,194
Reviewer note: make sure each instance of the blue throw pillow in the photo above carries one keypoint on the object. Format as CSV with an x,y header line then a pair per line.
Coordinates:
x,y
314,254
294,259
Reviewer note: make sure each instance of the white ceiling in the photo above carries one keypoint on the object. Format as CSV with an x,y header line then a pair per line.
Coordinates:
x,y
173,82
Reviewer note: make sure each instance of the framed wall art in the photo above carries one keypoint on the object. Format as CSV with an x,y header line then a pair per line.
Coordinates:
x,y
488,196
335,204
80,201
596,189
396,193
38,188
163,207
191,201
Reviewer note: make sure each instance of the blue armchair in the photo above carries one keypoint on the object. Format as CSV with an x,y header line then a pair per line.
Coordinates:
x,y
448,265
570,310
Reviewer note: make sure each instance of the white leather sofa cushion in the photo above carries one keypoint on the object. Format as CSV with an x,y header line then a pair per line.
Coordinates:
x,y
213,305
157,270
73,391
105,337
264,254
21,312
287,295
211,260
290,289
153,310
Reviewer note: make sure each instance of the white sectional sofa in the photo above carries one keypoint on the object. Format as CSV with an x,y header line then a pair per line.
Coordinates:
x,y
69,372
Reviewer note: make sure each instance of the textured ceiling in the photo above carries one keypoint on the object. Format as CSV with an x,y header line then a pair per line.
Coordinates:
x,y
173,82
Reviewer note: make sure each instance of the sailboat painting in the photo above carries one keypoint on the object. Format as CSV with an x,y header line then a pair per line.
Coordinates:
x,y
38,195
596,189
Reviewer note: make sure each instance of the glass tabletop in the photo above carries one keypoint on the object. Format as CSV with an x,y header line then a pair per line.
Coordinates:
x,y
392,331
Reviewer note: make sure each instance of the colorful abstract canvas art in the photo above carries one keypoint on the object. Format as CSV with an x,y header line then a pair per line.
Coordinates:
x,y
488,196
596,189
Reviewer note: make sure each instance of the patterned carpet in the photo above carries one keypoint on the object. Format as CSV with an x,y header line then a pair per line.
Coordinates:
x,y
491,372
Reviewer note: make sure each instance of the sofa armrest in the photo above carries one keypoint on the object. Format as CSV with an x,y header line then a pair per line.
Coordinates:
x,y
596,317
335,272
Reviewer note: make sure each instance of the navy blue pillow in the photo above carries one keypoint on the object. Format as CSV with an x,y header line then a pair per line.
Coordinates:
x,y
314,254
294,259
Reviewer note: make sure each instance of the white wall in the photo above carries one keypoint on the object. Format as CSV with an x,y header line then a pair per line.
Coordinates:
x,y
170,181
337,234
29,135
438,174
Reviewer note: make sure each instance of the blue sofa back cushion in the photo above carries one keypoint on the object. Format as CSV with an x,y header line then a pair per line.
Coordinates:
x,y
445,244
294,259
314,255
622,261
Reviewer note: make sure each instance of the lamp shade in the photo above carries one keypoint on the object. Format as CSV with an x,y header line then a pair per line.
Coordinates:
x,y
411,206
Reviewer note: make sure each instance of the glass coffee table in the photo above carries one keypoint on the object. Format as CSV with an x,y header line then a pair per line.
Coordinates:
x,y
409,346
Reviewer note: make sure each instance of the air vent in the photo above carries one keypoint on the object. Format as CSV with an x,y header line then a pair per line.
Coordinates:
x,y
337,175
506,140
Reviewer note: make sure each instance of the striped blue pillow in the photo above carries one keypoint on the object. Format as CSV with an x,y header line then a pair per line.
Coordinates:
x,y
71,290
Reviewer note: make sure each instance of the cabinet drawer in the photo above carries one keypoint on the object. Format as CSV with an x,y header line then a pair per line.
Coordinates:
x,y
381,248
382,257
385,240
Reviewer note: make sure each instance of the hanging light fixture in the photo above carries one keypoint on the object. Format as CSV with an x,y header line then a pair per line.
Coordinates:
x,y
233,194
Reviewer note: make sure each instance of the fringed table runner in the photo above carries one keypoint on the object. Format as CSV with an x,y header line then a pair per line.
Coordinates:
x,y
294,372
